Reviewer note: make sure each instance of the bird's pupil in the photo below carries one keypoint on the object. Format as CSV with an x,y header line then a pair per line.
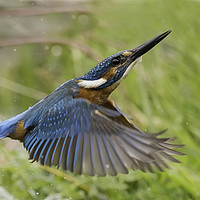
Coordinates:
x,y
116,61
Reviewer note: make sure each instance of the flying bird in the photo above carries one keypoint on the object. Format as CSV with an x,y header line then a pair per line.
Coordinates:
x,y
77,127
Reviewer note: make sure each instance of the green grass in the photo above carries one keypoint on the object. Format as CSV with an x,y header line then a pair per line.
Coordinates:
x,y
162,92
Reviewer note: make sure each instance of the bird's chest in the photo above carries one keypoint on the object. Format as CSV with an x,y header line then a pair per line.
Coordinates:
x,y
96,96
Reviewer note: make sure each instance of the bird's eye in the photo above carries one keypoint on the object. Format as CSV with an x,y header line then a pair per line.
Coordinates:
x,y
116,61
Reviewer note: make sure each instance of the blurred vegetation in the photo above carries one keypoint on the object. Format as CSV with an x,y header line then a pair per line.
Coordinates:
x,y
45,43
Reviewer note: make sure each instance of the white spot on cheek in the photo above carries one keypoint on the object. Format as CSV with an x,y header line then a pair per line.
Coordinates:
x,y
92,84
130,67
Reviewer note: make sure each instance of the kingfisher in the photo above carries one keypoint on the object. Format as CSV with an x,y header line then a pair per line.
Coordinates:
x,y
78,128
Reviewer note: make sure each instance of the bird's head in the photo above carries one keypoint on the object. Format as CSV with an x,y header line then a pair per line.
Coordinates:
x,y
115,68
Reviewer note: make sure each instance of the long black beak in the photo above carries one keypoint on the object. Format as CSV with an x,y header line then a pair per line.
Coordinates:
x,y
142,49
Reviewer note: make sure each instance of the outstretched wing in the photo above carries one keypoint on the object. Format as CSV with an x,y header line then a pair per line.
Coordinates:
x,y
83,137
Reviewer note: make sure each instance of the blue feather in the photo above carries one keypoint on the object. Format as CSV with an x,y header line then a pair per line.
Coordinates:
x,y
100,151
108,153
49,149
27,140
31,142
84,147
117,154
37,149
54,151
91,150
44,147
82,125
61,153
76,150
34,145
68,153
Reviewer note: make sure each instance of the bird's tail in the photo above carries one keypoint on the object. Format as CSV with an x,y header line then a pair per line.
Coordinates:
x,y
8,126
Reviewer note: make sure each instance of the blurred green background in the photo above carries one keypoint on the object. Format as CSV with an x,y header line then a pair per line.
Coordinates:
x,y
45,43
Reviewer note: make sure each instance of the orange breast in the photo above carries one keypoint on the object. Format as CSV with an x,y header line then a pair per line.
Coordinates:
x,y
96,96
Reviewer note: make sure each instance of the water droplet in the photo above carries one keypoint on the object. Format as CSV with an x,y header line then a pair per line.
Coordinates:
x,y
58,28
73,16
46,47
83,19
56,50
8,64
37,193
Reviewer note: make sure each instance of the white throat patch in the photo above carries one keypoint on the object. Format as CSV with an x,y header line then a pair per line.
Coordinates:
x,y
92,84
130,67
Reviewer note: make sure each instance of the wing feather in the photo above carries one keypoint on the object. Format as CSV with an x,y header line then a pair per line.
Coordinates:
x,y
49,152
84,137
53,158
80,155
62,150
99,161
38,150
88,165
77,146
110,166
65,152
84,152
45,144
68,161
31,143
120,165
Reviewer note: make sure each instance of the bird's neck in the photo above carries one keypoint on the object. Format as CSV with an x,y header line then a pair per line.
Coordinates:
x,y
96,96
